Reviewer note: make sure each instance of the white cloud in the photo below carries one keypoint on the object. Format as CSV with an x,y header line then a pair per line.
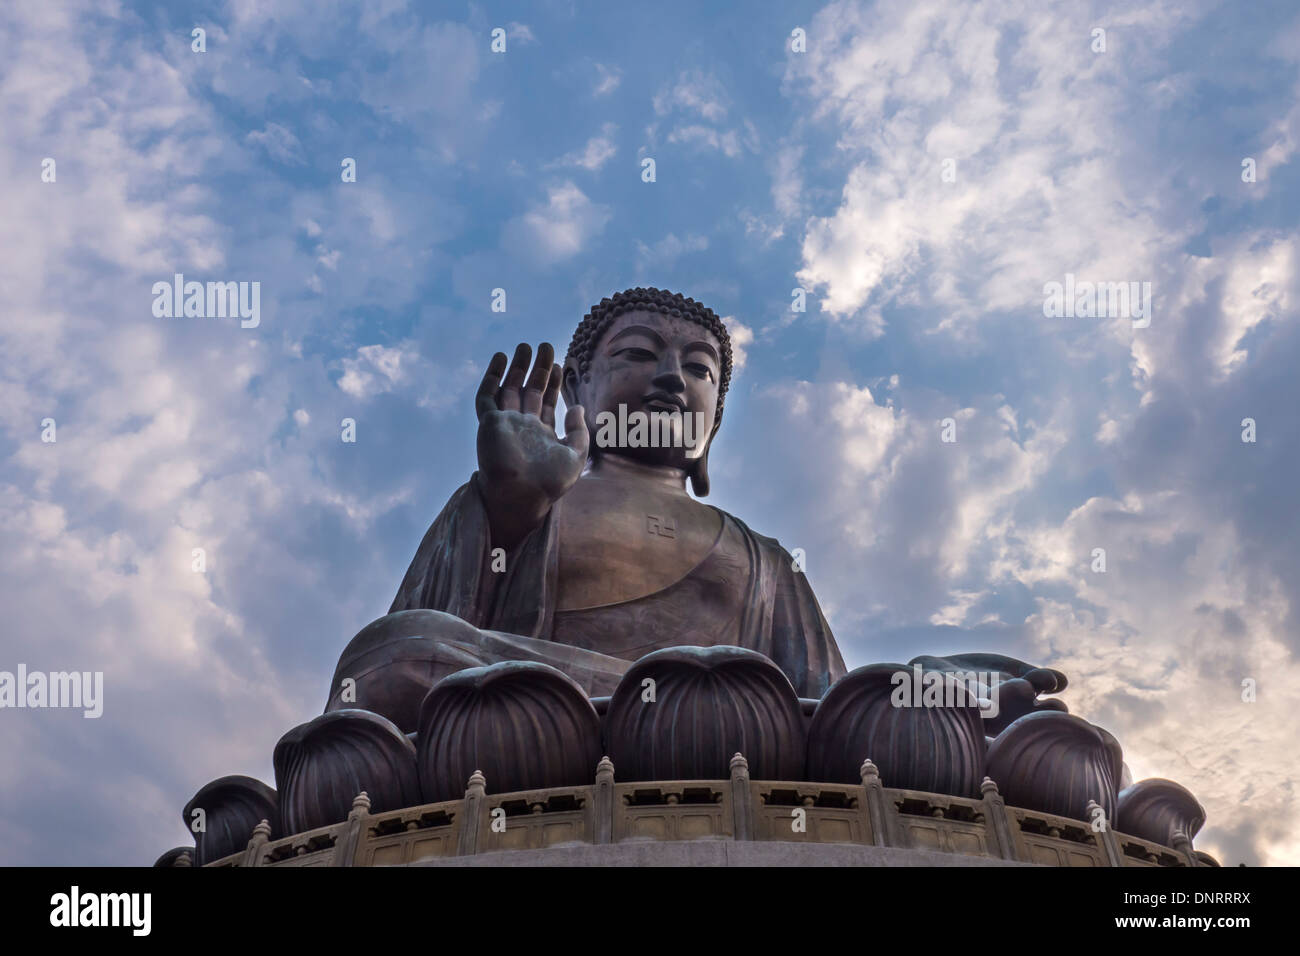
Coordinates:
x,y
599,150
898,520
441,57
279,142
698,103
787,184
1257,287
170,433
176,435
694,91
1157,647
380,369
608,79
742,336
956,613
375,369
520,33
727,142
767,229
1122,439
665,253
558,230
1024,154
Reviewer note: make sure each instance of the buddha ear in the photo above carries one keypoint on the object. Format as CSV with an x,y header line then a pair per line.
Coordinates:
x,y
569,385
700,476
700,470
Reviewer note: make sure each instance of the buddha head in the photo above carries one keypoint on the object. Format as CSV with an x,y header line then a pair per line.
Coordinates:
x,y
661,356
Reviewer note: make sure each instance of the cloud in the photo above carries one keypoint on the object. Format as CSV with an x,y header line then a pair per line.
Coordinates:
x,y
378,370
599,150
177,435
1106,436
742,336
279,143
441,57
665,253
559,229
1072,434
697,103
608,79
787,181
1019,163
520,33
374,369
1258,287
768,229
694,91
705,137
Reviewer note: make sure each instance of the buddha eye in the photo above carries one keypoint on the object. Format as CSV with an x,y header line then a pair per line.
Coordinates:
x,y
636,354
702,371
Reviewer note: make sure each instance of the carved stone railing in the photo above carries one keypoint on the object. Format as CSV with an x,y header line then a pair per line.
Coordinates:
x,y
606,811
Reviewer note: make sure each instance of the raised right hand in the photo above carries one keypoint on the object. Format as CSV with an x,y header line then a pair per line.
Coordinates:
x,y
524,467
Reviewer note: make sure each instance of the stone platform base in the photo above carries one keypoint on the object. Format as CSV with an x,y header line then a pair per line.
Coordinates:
x,y
716,853
733,822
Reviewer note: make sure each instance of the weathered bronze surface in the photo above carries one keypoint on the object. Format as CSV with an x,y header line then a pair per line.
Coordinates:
x,y
572,603
323,764
937,749
1056,762
669,726
230,808
524,725
597,546
681,713
1016,684
1159,810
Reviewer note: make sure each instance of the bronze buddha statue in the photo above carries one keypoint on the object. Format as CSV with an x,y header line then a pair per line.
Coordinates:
x,y
567,569
588,554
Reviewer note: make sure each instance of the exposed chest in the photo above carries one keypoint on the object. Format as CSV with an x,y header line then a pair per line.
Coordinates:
x,y
620,542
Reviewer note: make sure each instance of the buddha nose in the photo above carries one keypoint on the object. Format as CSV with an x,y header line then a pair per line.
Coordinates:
x,y
669,376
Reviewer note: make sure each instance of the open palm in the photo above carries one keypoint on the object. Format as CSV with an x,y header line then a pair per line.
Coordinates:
x,y
522,461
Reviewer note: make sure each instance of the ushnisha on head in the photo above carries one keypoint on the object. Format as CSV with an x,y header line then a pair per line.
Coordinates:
x,y
654,352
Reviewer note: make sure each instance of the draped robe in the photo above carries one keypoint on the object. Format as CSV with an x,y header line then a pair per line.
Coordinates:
x,y
746,591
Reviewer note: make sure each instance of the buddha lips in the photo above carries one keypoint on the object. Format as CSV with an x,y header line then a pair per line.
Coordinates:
x,y
638,429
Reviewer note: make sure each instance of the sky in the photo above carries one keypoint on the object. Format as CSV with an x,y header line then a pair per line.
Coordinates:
x,y
922,170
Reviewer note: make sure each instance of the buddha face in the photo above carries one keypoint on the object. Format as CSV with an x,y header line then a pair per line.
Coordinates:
x,y
651,364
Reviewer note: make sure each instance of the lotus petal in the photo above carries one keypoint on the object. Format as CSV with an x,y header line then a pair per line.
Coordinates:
x,y
323,764
231,807
1154,809
682,713
864,716
525,725
1056,762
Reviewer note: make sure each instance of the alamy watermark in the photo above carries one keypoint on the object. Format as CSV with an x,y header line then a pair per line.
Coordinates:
x,y
75,908
210,300
1098,300
79,689
921,688
638,429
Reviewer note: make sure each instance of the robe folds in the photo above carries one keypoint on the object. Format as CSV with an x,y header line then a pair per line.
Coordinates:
x,y
746,592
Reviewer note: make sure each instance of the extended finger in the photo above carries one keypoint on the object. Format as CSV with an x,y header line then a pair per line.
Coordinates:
x,y
575,430
508,396
551,395
486,399
532,397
